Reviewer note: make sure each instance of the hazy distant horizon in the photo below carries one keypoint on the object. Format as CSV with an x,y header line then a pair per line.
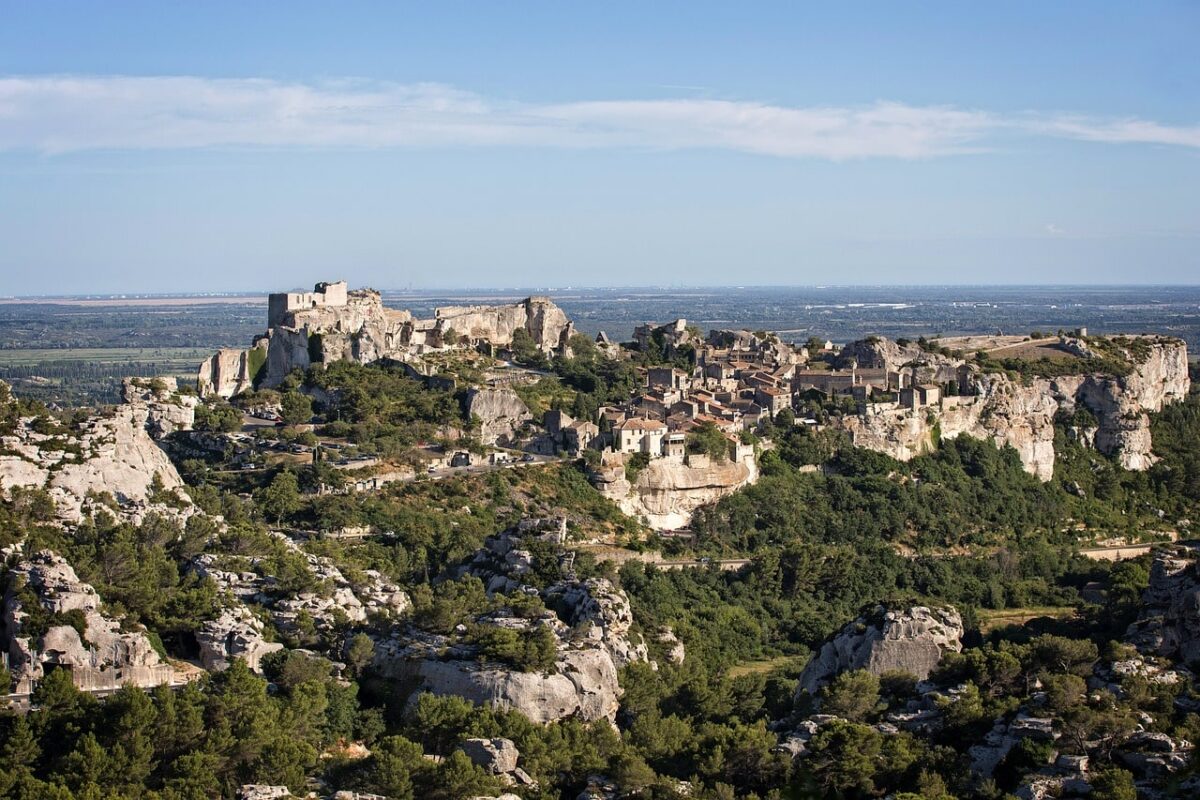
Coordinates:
x,y
449,290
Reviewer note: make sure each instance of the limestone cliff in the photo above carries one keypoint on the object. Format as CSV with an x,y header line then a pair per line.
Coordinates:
x,y
112,452
911,640
669,490
1021,413
102,656
228,372
591,625
500,413
357,327
1169,622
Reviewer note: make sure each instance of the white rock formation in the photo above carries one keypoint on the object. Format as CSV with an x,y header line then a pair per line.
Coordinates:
x,y
910,640
1022,414
500,412
111,453
1169,621
103,658
668,491
591,622
228,372
236,633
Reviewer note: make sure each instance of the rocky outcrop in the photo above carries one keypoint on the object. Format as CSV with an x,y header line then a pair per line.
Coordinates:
x,y
355,326
500,413
497,757
911,640
582,683
235,634
44,591
244,579
591,623
167,411
669,490
1020,413
603,612
545,323
1169,622
110,453
228,372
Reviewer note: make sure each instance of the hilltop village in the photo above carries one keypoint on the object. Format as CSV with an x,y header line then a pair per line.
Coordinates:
x,y
484,555
683,425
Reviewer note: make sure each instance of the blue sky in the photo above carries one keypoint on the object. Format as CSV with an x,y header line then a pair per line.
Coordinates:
x,y
227,146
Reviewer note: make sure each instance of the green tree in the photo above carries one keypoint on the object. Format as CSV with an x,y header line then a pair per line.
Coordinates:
x,y
853,695
280,498
1112,783
295,408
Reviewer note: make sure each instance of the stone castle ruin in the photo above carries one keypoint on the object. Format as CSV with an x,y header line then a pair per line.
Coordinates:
x,y
333,323
323,295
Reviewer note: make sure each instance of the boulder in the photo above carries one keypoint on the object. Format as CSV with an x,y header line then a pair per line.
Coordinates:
x,y
500,412
911,639
497,756
236,633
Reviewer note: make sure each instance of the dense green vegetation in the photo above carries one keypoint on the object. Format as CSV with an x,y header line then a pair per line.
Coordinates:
x,y
963,525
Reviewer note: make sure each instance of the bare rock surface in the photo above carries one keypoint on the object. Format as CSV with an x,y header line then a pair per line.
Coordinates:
x,y
235,634
1169,622
911,640
592,626
1020,413
113,453
103,657
500,411
669,490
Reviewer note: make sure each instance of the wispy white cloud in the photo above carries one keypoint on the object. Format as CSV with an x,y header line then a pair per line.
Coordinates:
x,y
56,114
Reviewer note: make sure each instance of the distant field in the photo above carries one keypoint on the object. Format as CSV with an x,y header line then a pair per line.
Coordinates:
x,y
26,357
765,665
1035,349
989,619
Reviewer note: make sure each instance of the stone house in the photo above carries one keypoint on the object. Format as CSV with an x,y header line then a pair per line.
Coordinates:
x,y
926,394
667,378
773,399
640,435
580,435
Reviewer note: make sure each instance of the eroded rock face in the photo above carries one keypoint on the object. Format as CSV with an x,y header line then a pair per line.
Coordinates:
x,y
500,411
104,657
236,633
112,453
603,609
497,756
228,371
582,683
167,411
1023,414
592,626
669,490
1169,622
910,640
359,328
370,594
